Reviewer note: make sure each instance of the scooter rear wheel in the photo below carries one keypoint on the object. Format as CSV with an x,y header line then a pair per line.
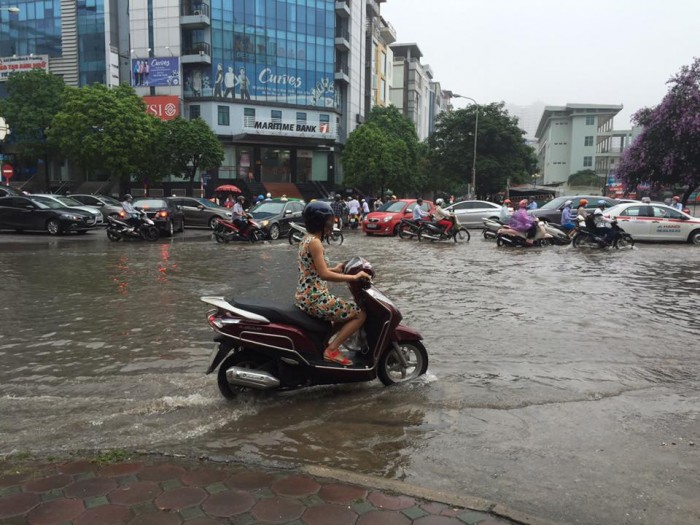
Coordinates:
x,y
461,235
335,238
295,236
241,359
391,370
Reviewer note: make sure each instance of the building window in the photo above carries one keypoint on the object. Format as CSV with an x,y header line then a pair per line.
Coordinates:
x,y
590,121
324,123
301,118
587,162
276,116
588,141
248,117
195,112
223,115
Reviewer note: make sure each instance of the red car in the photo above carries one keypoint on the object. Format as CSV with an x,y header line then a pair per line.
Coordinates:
x,y
385,221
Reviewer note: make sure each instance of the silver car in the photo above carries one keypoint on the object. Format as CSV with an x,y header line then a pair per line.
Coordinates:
x,y
471,214
109,206
67,202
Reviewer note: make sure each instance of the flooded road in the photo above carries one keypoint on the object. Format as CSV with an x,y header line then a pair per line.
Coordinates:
x,y
561,383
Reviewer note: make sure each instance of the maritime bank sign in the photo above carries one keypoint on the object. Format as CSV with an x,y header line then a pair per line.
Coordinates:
x,y
280,126
286,127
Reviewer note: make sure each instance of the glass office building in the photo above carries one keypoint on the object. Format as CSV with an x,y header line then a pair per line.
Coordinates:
x,y
274,51
38,29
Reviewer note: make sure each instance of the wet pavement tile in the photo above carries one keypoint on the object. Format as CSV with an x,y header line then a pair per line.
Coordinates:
x,y
215,488
437,520
203,477
181,498
105,515
55,512
329,515
48,483
161,473
77,467
89,488
384,501
472,517
383,517
228,503
98,501
139,492
121,469
250,480
414,513
296,486
16,504
156,518
277,510
10,490
340,493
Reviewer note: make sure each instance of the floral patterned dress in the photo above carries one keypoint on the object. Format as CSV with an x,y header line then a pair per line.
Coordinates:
x,y
312,295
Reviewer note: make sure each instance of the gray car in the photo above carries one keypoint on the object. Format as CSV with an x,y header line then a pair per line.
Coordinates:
x,y
109,206
471,214
201,212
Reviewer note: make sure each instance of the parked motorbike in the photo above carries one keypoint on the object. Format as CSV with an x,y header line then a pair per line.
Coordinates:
x,y
297,232
118,229
408,228
432,231
354,220
509,237
491,227
265,345
587,237
226,231
560,236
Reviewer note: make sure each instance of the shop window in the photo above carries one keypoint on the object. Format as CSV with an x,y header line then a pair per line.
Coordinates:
x,y
276,116
301,118
195,112
248,117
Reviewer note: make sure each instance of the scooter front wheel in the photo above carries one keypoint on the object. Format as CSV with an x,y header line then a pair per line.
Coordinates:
x,y
335,238
114,235
461,235
151,234
412,363
295,236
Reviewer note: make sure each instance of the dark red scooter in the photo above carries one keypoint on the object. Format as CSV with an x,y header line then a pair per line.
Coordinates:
x,y
226,231
263,345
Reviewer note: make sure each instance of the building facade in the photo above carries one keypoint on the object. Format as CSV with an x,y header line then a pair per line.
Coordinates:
x,y
380,57
568,138
410,89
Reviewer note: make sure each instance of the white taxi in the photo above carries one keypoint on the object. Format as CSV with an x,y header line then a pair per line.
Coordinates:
x,y
655,222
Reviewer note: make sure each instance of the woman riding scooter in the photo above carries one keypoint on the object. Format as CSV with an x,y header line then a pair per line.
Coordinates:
x,y
312,295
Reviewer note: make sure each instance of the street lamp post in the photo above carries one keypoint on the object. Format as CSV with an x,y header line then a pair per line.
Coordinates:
x,y
476,131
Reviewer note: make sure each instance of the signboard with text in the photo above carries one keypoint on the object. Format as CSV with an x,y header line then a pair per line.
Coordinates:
x,y
9,65
155,72
7,172
163,107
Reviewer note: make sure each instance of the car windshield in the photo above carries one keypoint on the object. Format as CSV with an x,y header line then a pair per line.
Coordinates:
x,y
393,207
45,202
68,201
150,203
555,204
208,204
110,200
267,209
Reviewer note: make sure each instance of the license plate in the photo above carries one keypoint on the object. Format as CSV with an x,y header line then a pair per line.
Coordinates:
x,y
372,226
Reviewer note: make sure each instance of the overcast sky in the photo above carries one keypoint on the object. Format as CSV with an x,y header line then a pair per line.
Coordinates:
x,y
554,51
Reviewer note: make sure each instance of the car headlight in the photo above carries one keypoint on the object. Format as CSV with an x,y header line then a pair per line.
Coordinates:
x,y
265,223
69,217
229,215
387,219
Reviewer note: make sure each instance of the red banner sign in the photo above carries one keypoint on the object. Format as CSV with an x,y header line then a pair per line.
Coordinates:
x,y
164,107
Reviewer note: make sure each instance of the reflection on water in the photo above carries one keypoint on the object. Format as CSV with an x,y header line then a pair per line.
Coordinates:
x,y
536,360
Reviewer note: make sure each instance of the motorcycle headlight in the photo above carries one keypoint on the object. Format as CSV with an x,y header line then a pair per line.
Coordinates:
x,y
387,219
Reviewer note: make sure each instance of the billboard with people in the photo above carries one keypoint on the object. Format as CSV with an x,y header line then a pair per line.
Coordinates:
x,y
155,72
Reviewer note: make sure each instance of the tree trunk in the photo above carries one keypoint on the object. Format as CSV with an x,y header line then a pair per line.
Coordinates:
x,y
686,195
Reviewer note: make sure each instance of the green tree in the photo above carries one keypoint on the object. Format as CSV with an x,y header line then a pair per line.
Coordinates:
x,y
34,98
193,146
382,153
106,130
584,178
502,153
667,152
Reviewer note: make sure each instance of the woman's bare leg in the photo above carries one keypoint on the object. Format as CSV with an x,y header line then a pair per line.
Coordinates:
x,y
346,330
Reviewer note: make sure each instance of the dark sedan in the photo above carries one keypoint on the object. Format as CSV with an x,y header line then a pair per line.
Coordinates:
x,y
201,212
109,206
8,191
25,213
551,211
275,215
167,216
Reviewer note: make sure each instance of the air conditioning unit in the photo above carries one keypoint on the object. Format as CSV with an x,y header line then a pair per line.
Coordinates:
x,y
197,12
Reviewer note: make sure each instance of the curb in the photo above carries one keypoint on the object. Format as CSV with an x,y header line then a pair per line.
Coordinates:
x,y
448,498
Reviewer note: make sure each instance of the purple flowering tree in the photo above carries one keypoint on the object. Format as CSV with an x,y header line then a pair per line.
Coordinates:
x,y
667,152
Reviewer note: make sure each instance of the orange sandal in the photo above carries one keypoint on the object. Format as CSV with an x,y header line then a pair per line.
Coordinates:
x,y
334,356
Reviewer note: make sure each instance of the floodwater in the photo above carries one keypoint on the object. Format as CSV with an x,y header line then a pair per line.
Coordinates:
x,y
561,383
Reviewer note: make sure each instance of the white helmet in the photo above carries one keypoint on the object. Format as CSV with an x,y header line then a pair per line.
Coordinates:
x,y
439,202
269,195
568,203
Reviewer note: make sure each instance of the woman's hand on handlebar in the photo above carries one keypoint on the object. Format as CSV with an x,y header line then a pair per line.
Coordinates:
x,y
362,276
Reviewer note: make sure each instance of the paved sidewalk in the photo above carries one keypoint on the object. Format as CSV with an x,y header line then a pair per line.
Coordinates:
x,y
145,490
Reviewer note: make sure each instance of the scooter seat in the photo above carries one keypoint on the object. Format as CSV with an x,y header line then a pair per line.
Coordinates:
x,y
284,314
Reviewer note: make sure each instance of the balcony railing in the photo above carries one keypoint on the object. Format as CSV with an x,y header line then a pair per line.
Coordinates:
x,y
341,32
197,48
196,9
